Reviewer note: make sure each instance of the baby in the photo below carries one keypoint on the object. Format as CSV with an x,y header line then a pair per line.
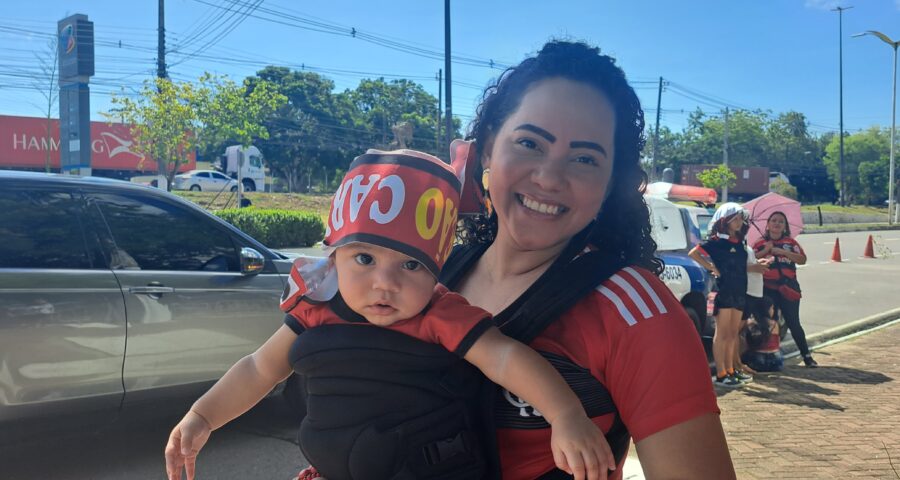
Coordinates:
x,y
391,226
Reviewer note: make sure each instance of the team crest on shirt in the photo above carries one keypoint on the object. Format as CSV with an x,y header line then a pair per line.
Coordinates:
x,y
522,405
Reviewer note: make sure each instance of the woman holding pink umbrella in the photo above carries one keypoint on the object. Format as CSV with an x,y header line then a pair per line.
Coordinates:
x,y
780,281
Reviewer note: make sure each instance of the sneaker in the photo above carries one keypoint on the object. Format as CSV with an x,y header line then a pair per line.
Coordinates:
x,y
728,381
743,376
809,362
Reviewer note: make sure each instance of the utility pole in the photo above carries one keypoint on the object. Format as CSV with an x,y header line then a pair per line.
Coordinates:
x,y
656,134
437,135
725,157
447,80
161,42
840,11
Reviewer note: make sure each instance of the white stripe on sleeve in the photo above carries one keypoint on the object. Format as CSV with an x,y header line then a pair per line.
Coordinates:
x,y
656,300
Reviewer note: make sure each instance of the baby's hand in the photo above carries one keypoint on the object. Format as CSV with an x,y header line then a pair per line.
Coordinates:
x,y
580,449
185,442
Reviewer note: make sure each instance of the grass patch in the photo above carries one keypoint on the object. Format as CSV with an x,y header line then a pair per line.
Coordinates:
x,y
852,209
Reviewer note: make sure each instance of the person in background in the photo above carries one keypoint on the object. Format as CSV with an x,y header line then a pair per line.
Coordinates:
x,y
763,340
780,281
756,302
725,256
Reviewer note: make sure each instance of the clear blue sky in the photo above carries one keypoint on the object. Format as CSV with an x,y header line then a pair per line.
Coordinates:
x,y
776,55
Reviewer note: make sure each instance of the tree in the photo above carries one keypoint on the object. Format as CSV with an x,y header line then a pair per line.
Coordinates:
x,y
717,177
314,129
169,120
47,83
383,104
784,189
235,113
163,121
865,161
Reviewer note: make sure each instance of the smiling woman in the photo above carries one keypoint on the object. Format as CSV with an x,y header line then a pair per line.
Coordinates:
x,y
558,139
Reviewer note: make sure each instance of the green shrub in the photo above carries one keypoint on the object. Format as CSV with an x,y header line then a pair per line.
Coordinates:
x,y
277,228
784,189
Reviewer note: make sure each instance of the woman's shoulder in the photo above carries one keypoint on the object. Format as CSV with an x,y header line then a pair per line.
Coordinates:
x,y
630,296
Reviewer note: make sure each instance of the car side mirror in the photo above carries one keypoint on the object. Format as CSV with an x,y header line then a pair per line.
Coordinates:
x,y
252,262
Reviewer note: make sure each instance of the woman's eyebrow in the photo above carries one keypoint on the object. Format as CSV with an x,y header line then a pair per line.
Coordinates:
x,y
537,130
590,145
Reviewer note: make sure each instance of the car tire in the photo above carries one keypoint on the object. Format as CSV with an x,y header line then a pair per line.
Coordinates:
x,y
695,320
234,188
294,394
249,186
195,188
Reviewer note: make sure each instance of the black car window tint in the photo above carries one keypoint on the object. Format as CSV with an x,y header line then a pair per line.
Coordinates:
x,y
203,175
42,229
152,234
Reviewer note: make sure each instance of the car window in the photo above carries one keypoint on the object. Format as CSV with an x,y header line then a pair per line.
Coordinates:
x,y
203,174
703,225
255,161
44,229
153,234
219,176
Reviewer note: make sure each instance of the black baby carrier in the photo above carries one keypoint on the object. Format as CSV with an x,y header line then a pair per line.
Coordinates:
x,y
382,405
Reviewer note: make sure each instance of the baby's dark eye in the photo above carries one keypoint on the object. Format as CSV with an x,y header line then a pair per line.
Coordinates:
x,y
411,265
364,259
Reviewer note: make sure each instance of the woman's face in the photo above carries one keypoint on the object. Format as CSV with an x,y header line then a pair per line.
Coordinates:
x,y
550,164
775,226
735,224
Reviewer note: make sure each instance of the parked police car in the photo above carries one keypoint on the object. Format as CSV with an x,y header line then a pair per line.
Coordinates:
x,y
676,232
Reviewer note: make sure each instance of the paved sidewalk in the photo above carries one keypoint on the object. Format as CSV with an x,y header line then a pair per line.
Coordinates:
x,y
841,420
838,421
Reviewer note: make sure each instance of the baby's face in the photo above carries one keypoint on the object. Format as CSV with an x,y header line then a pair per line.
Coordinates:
x,y
382,285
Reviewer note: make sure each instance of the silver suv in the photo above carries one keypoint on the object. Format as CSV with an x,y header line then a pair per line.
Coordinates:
x,y
114,294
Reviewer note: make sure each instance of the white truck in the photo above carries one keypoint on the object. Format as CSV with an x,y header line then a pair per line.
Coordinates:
x,y
252,173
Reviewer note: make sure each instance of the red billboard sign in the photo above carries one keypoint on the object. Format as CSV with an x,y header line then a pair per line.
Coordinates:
x,y
24,143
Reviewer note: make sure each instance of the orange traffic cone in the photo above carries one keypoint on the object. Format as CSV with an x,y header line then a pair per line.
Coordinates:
x,y
870,250
836,253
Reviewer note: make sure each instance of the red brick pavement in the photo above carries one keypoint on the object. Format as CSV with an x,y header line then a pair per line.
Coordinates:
x,y
841,420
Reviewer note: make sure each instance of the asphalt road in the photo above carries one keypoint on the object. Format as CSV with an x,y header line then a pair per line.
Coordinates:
x,y
262,443
838,293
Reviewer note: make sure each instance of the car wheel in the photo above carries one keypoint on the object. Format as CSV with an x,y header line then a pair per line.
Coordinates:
x,y
234,188
249,186
295,395
695,319
195,188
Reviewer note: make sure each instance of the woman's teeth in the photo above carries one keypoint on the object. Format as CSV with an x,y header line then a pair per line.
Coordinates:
x,y
541,207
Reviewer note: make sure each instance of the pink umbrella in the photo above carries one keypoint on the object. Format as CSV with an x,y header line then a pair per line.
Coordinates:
x,y
760,208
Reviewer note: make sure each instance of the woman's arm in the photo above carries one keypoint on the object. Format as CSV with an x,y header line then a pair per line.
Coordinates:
x,y
765,251
797,257
698,257
695,448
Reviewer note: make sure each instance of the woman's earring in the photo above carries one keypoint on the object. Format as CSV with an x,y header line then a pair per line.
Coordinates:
x,y
487,195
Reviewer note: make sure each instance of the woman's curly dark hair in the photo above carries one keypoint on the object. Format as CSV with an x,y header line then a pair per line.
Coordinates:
x,y
623,223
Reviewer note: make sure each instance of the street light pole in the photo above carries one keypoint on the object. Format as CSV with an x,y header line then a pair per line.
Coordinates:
x,y
892,210
840,11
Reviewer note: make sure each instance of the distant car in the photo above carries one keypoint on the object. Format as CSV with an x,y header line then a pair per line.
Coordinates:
x,y
776,176
116,295
204,180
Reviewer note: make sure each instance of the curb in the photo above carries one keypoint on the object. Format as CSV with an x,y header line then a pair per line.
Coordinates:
x,y
842,332
836,228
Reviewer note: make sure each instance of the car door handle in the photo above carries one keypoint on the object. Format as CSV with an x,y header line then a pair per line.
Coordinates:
x,y
150,290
